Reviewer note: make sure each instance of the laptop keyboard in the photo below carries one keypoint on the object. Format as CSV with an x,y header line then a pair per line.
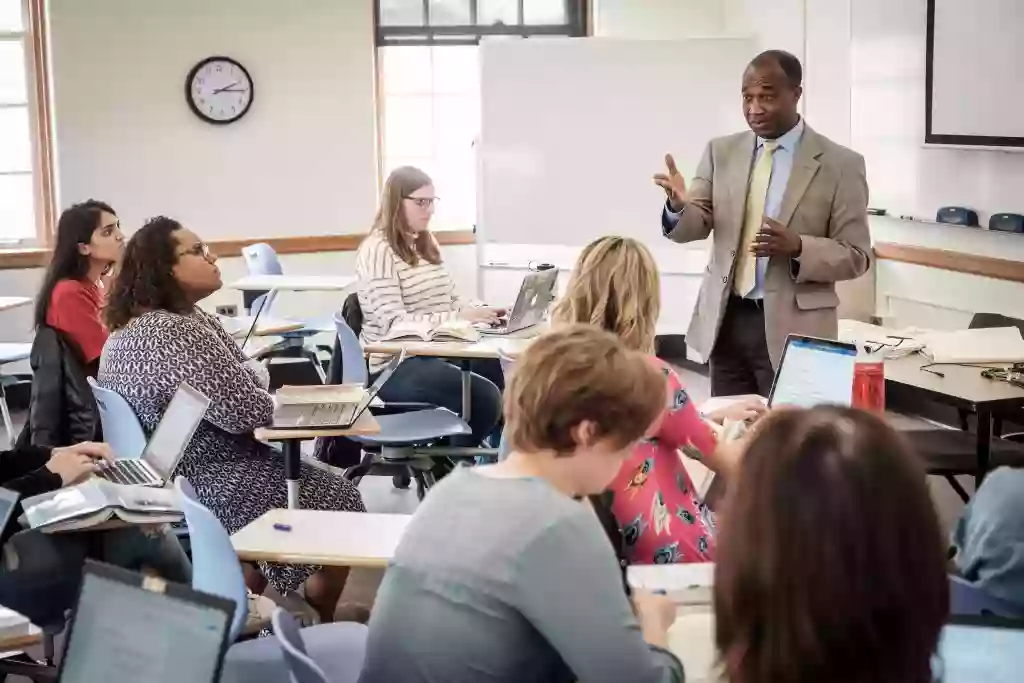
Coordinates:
x,y
128,472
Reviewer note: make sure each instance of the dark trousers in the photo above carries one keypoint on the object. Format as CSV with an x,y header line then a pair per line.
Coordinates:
x,y
433,380
740,363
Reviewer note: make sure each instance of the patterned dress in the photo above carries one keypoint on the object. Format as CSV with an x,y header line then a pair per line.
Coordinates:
x,y
654,501
235,476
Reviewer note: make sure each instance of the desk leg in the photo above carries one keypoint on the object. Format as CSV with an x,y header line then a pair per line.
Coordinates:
x,y
984,444
467,382
292,470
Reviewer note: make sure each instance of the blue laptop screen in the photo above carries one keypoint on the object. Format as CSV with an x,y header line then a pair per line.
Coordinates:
x,y
980,654
814,373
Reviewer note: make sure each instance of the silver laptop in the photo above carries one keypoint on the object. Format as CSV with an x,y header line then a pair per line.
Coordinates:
x,y
531,304
980,649
333,415
129,628
814,372
166,446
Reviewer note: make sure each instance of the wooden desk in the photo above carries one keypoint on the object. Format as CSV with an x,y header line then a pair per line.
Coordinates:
x,y
294,283
9,302
20,642
324,537
961,387
291,442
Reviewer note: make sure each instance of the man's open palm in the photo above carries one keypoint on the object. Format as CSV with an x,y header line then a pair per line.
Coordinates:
x,y
673,183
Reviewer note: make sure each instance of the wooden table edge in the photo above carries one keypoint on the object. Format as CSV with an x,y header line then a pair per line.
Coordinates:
x,y
33,637
313,558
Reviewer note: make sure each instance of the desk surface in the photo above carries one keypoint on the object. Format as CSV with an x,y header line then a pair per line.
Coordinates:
x,y
295,283
18,642
9,302
366,425
238,326
961,384
692,640
489,346
323,537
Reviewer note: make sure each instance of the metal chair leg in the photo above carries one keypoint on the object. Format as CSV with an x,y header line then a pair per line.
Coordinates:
x,y
960,491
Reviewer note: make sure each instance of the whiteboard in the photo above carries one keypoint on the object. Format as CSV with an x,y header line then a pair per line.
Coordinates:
x,y
573,129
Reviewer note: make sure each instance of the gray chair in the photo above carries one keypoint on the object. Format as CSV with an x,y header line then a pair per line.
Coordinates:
x,y
303,669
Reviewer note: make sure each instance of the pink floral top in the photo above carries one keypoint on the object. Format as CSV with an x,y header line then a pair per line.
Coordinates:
x,y
657,509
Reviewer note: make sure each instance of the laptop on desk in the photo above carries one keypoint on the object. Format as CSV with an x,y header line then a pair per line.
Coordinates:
x,y
333,415
166,446
129,628
532,303
813,372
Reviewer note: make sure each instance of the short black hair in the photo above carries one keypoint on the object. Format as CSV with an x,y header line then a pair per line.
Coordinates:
x,y
789,64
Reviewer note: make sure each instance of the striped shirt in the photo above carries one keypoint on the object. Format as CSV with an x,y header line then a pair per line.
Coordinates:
x,y
390,290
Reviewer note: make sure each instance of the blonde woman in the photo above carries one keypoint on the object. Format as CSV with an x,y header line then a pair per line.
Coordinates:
x,y
403,279
615,286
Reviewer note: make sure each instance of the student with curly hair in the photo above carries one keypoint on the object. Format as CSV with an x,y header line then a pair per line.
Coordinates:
x,y
160,338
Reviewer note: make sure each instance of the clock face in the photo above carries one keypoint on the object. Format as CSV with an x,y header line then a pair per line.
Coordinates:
x,y
219,90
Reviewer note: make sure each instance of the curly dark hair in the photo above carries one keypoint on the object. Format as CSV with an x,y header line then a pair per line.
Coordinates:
x,y
146,280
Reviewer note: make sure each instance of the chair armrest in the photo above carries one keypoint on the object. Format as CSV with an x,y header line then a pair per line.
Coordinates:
x,y
1016,436
400,407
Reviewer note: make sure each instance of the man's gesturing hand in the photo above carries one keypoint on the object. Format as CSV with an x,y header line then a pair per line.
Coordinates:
x,y
775,239
674,185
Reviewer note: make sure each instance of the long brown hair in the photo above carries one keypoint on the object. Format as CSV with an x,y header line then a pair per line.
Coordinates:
x,y
391,220
614,286
831,563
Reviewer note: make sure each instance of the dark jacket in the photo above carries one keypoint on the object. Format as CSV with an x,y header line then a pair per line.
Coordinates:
x,y
63,411
23,471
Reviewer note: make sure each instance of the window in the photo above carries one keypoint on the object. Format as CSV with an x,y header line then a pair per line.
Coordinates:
x,y
24,175
429,84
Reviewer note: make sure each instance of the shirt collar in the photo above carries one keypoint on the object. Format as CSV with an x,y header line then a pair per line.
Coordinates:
x,y
789,140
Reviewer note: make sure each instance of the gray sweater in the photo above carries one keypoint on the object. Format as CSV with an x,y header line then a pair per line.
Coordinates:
x,y
506,581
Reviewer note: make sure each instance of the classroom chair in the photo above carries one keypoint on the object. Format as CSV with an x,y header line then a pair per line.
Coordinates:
x,y
407,431
968,600
10,353
338,647
121,427
302,667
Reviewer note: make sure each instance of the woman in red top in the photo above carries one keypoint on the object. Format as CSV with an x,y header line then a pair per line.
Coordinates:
x,y
89,244
615,286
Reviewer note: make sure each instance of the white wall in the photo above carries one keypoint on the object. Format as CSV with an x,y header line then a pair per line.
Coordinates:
x,y
301,162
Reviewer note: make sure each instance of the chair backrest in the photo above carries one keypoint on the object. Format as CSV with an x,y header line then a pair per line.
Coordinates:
x,y
302,667
507,363
121,426
996,320
353,313
353,362
261,259
967,599
215,566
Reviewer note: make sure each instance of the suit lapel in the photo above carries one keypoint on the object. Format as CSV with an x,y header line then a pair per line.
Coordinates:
x,y
805,166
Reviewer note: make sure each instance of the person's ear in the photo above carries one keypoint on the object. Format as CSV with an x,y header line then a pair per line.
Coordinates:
x,y
84,249
584,434
797,92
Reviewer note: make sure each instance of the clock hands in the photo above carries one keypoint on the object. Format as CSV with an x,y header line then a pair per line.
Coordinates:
x,y
227,88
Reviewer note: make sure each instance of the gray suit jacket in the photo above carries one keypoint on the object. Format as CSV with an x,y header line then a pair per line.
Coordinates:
x,y
825,202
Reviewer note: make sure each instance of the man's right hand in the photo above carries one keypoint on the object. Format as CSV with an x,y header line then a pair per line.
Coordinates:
x,y
674,185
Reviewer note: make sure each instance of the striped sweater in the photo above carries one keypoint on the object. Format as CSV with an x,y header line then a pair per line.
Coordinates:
x,y
390,290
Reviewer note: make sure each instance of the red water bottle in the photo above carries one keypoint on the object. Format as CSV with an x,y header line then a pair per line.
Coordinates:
x,y
869,383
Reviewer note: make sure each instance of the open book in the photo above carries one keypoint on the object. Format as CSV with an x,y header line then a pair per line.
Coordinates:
x,y
456,330
314,394
96,502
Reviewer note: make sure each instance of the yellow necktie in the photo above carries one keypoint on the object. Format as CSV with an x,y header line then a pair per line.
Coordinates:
x,y
760,177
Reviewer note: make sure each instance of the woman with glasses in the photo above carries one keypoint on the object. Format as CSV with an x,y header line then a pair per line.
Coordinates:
x,y
160,338
403,279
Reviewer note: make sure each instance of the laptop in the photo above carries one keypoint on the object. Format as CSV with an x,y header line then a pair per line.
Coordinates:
x,y
333,415
980,649
8,503
814,372
129,628
166,446
532,303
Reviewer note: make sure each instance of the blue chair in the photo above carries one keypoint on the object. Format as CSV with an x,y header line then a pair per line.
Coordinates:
x,y
303,669
507,362
261,259
121,427
338,648
967,599
402,448
10,353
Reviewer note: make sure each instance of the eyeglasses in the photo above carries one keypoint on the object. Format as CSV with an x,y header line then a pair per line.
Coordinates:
x,y
424,202
197,249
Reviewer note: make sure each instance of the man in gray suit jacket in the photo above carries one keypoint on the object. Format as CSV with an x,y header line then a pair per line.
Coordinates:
x,y
787,212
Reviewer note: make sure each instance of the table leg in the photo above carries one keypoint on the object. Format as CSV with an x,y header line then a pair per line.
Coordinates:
x,y
467,382
292,470
984,444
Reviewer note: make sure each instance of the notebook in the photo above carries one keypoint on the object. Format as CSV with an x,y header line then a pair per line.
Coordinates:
x,y
981,345
128,628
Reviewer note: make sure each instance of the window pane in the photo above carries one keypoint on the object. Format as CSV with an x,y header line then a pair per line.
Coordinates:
x,y
405,69
10,16
408,126
490,12
13,86
17,211
15,140
544,12
456,69
399,13
449,12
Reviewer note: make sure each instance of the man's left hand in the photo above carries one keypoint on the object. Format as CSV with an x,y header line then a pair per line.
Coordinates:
x,y
775,239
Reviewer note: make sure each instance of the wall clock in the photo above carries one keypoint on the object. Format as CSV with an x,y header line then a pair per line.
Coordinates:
x,y
219,90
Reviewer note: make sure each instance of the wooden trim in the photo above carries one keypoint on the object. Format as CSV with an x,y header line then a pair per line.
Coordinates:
x,y
958,262
38,257
42,120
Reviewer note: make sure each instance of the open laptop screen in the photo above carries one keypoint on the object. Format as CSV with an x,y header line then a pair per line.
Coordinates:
x,y
123,632
814,372
179,422
986,651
